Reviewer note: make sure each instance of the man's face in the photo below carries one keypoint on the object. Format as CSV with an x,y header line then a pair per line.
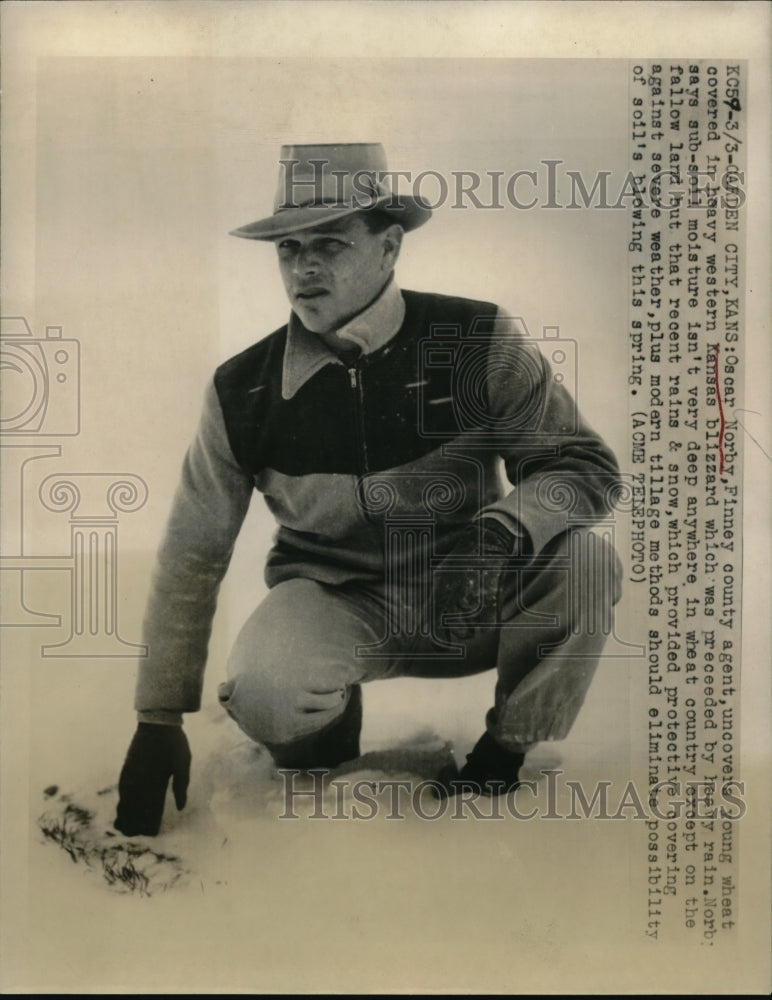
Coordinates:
x,y
334,271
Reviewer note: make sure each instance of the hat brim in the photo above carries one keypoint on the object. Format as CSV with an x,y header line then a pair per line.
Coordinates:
x,y
408,212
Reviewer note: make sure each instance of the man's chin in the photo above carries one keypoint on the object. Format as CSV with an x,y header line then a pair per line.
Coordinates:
x,y
313,322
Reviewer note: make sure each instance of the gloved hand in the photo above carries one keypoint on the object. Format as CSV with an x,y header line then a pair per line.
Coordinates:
x,y
157,753
460,589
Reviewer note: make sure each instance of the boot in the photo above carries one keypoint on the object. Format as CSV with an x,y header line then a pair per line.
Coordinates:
x,y
490,769
331,746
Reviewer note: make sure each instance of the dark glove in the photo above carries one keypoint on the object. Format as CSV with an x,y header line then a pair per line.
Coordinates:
x,y
157,753
461,588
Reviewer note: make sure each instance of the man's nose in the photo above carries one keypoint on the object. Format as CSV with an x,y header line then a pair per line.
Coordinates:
x,y
306,260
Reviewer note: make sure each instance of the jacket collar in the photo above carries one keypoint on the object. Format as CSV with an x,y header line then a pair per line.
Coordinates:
x,y
305,353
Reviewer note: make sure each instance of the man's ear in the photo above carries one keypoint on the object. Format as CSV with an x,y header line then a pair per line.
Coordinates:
x,y
392,244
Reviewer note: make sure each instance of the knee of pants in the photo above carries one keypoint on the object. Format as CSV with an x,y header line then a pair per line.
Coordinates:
x,y
288,672
274,713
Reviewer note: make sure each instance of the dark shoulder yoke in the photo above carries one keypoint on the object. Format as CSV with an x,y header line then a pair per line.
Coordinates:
x,y
245,385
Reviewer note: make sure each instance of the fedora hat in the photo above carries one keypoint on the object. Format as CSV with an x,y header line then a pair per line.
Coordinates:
x,y
320,183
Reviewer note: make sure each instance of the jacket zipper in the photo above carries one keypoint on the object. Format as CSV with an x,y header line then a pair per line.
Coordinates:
x,y
356,385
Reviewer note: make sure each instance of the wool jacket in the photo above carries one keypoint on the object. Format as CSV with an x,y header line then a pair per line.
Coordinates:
x,y
444,393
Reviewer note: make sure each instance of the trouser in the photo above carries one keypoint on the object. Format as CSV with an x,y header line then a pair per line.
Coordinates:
x,y
299,660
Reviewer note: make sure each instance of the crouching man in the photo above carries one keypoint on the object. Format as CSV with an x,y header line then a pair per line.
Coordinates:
x,y
375,424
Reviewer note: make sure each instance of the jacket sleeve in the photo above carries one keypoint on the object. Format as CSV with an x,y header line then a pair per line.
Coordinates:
x,y
207,512
556,463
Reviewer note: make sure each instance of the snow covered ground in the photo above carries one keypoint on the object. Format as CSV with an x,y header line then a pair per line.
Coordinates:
x,y
258,903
